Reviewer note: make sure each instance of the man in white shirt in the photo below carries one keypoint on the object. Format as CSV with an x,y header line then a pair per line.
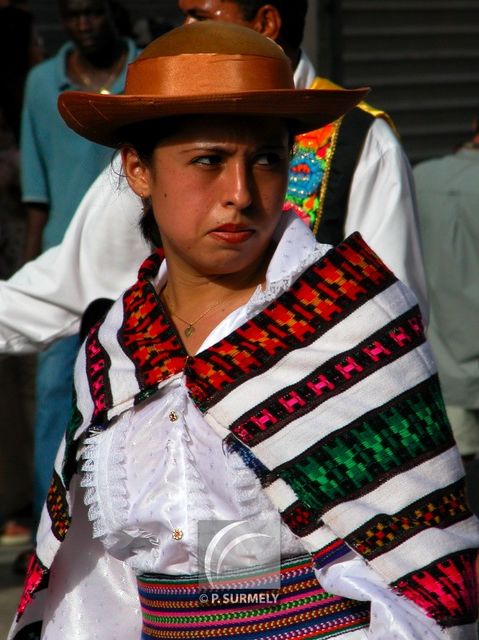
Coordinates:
x,y
102,248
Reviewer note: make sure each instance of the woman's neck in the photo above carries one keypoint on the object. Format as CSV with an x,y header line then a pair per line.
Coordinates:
x,y
198,303
188,289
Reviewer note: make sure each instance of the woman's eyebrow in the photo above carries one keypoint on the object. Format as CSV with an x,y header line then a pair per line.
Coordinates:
x,y
205,146
224,146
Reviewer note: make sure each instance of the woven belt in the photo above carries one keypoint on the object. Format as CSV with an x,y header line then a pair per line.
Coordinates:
x,y
187,607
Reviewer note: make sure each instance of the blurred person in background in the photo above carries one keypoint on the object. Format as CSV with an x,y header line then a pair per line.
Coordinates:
x,y
94,59
17,374
448,204
351,175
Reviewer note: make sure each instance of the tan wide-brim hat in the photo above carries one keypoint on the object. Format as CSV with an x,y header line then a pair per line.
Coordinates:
x,y
205,68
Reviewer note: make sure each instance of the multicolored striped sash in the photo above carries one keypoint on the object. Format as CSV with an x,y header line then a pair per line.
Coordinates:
x,y
188,607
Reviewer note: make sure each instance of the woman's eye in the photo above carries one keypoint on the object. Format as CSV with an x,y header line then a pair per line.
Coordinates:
x,y
208,161
268,159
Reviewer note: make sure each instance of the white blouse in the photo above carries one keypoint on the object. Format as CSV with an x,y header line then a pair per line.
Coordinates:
x,y
146,505
161,469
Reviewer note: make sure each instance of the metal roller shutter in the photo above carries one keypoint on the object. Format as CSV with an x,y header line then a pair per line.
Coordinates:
x,y
421,57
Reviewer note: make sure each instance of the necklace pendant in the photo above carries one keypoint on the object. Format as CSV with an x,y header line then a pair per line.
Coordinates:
x,y
189,330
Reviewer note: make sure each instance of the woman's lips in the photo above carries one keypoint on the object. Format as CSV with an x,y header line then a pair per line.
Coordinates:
x,y
232,233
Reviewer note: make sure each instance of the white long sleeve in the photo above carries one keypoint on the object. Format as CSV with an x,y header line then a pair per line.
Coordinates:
x,y
382,207
382,203
98,258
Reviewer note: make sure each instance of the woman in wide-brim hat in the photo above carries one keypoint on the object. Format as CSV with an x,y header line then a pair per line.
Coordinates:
x,y
222,439
207,84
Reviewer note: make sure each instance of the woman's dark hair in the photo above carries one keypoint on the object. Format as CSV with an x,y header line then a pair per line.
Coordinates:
x,y
148,226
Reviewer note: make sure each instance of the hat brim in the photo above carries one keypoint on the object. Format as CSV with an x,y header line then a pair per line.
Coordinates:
x,y
101,118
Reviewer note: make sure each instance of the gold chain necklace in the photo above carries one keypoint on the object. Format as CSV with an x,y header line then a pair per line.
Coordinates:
x,y
190,329
105,86
190,326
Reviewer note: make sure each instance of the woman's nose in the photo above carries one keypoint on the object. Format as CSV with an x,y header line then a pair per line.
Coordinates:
x,y
238,188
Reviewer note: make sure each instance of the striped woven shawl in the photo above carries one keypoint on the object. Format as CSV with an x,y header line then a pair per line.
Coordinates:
x,y
331,396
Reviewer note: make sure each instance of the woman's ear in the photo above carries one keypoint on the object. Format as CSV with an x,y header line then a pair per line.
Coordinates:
x,y
268,21
136,172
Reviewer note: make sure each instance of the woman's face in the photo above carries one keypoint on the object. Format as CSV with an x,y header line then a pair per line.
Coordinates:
x,y
217,188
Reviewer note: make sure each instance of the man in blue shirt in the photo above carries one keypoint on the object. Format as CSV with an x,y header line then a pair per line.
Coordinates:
x,y
57,169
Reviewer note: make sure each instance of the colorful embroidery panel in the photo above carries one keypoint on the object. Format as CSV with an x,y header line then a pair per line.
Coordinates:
x,y
300,519
36,579
331,379
147,337
444,507
307,170
98,365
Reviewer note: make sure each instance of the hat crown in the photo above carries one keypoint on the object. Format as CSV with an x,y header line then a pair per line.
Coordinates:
x,y
210,36
209,58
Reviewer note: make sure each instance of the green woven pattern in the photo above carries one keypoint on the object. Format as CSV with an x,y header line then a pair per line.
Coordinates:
x,y
361,454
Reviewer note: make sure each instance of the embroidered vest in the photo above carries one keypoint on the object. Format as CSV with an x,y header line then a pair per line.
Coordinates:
x,y
322,169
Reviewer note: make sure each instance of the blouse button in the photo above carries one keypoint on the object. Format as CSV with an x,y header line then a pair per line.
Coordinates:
x,y
177,534
173,416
